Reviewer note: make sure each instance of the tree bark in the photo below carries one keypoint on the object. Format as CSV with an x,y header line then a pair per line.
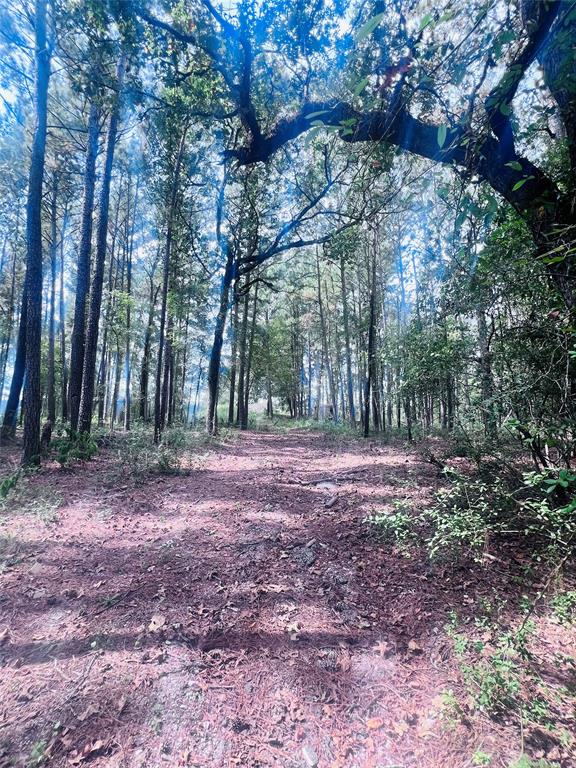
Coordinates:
x,y
346,322
83,268
244,425
233,361
144,410
160,391
216,353
323,331
89,367
32,394
242,361
62,323
51,372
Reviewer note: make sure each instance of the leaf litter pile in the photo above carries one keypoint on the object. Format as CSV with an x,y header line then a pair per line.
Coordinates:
x,y
244,614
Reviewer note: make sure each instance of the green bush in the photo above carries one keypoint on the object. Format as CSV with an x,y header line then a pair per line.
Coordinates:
x,y
74,447
396,527
468,513
464,516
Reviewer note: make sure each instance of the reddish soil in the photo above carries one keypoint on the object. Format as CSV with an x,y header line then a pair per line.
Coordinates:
x,y
242,614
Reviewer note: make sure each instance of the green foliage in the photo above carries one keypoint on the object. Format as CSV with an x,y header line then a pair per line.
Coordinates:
x,y
525,762
469,512
37,756
396,526
74,447
564,606
9,483
464,515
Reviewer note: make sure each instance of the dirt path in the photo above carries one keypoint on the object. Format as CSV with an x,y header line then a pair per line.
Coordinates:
x,y
238,615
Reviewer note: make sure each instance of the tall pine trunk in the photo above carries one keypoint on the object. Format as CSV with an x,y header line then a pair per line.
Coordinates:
x,y
242,359
62,322
244,425
89,367
51,372
216,353
32,391
233,361
161,391
83,268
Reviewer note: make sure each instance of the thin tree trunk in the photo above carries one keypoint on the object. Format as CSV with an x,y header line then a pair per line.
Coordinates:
x,y
11,411
83,269
242,359
216,353
487,388
146,353
371,381
10,323
51,372
233,362
62,323
346,322
244,425
127,362
329,376
159,400
89,368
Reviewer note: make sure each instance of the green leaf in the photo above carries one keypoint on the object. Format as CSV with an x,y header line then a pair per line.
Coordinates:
x,y
521,183
312,134
359,87
442,132
369,27
505,108
515,165
426,21
317,114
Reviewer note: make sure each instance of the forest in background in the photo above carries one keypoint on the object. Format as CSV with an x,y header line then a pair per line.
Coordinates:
x,y
202,210
288,359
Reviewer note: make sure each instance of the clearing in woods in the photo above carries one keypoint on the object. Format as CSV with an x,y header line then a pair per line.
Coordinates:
x,y
242,613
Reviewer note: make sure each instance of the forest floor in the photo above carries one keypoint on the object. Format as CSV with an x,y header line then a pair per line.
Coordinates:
x,y
241,612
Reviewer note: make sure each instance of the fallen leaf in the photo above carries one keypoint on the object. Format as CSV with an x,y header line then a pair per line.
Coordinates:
x,y
382,648
400,727
88,712
310,757
293,630
373,723
157,622
414,647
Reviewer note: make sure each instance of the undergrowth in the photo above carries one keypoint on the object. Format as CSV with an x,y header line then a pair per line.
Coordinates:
x,y
467,522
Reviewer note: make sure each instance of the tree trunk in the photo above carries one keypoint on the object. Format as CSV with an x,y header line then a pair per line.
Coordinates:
x,y
244,425
146,353
83,268
32,395
233,355
489,418
160,391
51,372
10,323
329,375
89,368
62,323
11,411
345,319
127,361
216,353
242,358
